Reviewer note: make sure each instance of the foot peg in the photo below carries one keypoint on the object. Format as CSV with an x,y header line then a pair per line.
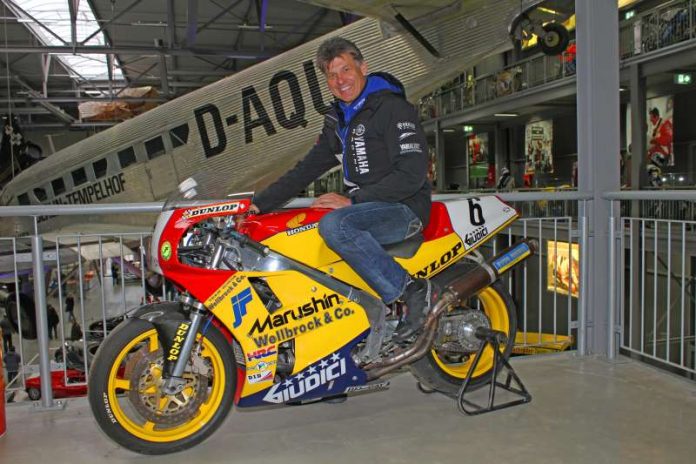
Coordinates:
x,y
494,338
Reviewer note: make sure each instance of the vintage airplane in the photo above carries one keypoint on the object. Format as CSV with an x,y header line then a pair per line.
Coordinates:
x,y
251,127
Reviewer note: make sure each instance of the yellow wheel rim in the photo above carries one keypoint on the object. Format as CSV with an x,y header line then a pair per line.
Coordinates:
x,y
150,431
493,305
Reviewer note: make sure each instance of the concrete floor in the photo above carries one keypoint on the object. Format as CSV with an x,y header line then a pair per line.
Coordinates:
x,y
584,410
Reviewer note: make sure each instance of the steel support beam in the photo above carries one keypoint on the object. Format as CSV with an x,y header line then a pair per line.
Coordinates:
x,y
639,112
19,12
29,99
191,22
42,321
164,77
638,127
598,161
137,50
59,113
109,22
218,16
73,5
171,33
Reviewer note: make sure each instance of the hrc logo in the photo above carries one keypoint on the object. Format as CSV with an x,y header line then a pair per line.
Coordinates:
x,y
296,221
239,302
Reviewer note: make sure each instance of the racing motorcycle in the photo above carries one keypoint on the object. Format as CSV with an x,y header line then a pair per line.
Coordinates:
x,y
268,314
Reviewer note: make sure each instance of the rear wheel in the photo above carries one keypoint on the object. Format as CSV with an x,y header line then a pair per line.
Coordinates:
x,y
126,399
445,367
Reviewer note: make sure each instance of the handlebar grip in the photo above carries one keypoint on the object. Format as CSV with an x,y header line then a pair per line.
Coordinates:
x,y
246,241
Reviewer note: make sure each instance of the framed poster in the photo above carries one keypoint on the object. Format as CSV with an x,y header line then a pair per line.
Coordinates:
x,y
563,268
477,151
660,134
538,141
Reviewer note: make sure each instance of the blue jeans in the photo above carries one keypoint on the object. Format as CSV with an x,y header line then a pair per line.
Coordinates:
x,y
357,232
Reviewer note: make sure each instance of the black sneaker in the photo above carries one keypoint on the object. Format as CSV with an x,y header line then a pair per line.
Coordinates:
x,y
420,296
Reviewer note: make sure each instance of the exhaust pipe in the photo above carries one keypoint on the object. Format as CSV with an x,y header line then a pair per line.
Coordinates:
x,y
464,288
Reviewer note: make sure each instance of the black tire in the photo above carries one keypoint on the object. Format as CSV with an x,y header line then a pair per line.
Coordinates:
x,y
432,373
128,346
555,40
34,394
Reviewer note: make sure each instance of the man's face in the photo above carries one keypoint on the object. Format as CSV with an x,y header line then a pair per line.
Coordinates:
x,y
346,77
653,118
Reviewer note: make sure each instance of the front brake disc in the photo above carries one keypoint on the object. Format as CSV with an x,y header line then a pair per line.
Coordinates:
x,y
145,372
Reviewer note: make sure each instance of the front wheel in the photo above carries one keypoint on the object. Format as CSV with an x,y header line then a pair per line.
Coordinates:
x,y
445,367
127,401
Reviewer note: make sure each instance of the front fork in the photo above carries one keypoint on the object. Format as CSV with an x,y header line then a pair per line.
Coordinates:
x,y
179,351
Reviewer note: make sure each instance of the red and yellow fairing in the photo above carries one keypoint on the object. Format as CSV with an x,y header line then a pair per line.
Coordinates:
x,y
315,318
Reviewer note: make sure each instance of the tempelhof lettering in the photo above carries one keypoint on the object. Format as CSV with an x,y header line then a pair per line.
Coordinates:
x,y
97,191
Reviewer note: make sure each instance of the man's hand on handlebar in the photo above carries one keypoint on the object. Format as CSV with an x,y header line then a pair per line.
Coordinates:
x,y
328,200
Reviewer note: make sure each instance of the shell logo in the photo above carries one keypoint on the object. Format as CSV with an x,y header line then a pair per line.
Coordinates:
x,y
296,221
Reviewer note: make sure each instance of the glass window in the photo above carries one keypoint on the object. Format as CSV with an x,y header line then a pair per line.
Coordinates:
x,y
99,167
79,176
23,199
58,186
154,147
179,135
126,157
40,193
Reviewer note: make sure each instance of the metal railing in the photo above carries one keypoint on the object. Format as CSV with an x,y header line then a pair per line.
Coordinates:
x,y
523,75
665,25
653,314
30,316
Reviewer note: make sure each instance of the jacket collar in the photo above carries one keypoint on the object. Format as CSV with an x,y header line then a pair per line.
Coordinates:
x,y
376,84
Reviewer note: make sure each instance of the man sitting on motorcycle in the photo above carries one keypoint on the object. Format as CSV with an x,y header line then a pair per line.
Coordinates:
x,y
374,132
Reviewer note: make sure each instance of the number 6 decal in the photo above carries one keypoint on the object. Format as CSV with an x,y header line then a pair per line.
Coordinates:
x,y
475,212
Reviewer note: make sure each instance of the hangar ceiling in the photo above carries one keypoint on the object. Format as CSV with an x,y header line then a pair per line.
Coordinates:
x,y
173,46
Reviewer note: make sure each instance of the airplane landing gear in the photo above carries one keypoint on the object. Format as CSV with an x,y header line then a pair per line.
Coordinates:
x,y
555,39
553,36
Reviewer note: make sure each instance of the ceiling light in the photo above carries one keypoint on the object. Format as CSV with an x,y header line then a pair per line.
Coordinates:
x,y
253,27
150,23
506,115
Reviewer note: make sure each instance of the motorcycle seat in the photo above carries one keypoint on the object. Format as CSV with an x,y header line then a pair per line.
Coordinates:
x,y
405,249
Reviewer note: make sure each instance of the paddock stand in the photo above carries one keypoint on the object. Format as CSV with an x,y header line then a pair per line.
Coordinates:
x,y
494,338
